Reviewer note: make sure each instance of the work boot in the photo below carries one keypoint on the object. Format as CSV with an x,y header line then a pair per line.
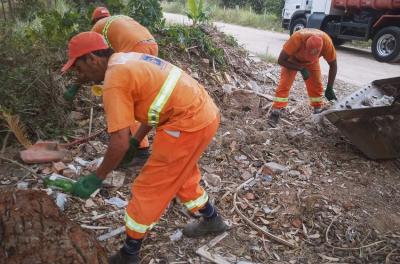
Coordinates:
x,y
122,258
274,117
206,226
318,110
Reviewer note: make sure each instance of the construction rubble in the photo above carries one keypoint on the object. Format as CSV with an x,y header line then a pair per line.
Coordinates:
x,y
298,193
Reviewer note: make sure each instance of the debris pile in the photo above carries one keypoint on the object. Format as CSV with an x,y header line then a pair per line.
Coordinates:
x,y
299,193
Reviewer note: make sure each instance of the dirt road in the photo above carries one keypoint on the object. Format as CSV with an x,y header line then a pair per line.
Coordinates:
x,y
356,66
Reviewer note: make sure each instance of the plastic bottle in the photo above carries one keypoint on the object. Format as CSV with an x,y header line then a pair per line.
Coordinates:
x,y
59,182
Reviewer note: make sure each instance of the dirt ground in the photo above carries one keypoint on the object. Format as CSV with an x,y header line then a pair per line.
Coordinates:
x,y
326,199
32,230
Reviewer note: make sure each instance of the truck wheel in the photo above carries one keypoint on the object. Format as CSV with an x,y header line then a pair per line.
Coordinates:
x,y
298,24
386,45
338,42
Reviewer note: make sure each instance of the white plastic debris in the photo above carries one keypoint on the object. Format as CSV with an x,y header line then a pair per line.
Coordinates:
x,y
81,161
177,235
112,233
94,164
61,200
22,185
117,202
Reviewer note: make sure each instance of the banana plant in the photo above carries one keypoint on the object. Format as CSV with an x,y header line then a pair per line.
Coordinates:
x,y
197,12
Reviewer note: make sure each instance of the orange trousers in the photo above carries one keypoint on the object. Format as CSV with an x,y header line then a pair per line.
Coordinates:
x,y
151,49
171,171
313,83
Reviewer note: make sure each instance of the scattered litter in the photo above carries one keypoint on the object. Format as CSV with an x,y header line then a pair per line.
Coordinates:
x,y
61,200
22,185
213,179
115,179
176,236
112,233
276,168
81,161
374,101
94,164
117,202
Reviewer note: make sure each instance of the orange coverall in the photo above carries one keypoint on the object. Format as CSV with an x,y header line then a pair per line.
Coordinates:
x,y
152,91
124,34
295,48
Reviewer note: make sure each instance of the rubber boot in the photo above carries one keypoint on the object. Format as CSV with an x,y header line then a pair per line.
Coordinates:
x,y
122,258
206,226
274,117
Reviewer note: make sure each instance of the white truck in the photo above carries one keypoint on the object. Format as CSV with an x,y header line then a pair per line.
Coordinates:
x,y
346,20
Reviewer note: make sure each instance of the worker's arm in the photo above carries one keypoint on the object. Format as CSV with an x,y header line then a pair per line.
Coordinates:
x,y
284,61
142,132
332,73
329,92
117,147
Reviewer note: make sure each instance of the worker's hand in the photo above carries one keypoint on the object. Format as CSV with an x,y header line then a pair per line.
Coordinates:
x,y
131,153
304,72
86,185
329,93
71,92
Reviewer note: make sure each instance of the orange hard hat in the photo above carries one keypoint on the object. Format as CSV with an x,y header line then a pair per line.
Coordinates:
x,y
81,44
100,12
314,46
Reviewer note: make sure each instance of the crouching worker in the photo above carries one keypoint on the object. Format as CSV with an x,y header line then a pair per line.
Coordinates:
x,y
301,53
159,95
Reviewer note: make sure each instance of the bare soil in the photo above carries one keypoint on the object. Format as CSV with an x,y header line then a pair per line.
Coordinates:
x,y
331,202
33,230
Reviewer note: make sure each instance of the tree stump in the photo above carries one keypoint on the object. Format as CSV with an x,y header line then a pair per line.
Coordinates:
x,y
34,231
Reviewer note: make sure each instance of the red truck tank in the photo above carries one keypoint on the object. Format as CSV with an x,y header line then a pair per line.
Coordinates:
x,y
373,4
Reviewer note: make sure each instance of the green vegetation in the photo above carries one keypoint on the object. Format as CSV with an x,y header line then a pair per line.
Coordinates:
x,y
244,16
33,39
146,12
196,11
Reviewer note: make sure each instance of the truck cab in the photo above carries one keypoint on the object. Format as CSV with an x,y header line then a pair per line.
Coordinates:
x,y
294,14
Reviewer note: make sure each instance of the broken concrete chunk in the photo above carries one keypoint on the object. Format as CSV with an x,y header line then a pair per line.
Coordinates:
x,y
58,167
213,179
276,168
43,152
294,173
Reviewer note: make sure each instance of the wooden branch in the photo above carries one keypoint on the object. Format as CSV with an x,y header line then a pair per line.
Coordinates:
x,y
20,165
261,230
346,249
215,258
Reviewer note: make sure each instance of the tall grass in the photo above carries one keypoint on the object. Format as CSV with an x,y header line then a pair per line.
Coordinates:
x,y
238,16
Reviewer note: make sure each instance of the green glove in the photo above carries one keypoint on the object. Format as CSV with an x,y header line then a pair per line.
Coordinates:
x,y
71,92
330,94
86,185
131,153
304,72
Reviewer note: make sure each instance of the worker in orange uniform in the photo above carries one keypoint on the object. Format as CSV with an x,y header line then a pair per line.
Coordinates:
x,y
160,95
301,53
124,34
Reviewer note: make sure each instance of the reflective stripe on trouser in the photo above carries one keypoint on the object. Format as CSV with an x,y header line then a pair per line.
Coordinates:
x,y
168,174
104,32
134,128
163,95
313,84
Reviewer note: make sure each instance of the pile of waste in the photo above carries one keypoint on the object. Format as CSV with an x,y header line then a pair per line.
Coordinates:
x,y
298,193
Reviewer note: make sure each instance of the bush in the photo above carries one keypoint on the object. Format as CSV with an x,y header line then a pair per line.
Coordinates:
x,y
147,12
259,6
31,54
185,37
